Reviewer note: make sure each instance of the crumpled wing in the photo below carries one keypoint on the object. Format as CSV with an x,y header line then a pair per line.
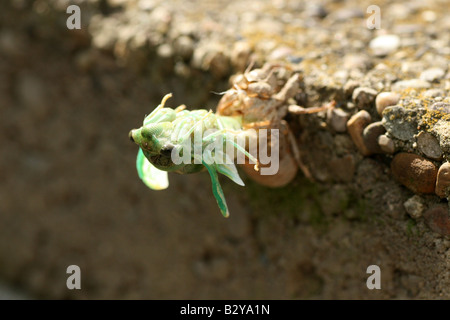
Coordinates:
x,y
152,177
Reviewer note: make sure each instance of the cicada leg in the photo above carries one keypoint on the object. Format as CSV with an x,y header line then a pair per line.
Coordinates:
x,y
180,108
258,125
229,136
161,105
292,141
295,150
199,122
217,190
300,110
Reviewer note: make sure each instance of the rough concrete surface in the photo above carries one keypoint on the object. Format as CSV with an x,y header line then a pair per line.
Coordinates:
x,y
70,194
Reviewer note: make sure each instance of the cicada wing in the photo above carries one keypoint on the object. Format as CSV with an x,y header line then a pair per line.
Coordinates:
x,y
231,172
152,177
217,190
225,166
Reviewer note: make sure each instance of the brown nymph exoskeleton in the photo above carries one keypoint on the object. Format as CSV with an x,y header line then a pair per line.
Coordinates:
x,y
263,97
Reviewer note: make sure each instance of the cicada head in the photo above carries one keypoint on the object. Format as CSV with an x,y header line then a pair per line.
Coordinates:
x,y
156,129
152,138
156,145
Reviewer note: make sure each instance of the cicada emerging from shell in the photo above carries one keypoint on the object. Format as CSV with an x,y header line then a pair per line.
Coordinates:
x,y
256,103
167,135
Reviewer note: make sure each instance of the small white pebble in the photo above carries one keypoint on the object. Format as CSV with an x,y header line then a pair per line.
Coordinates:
x,y
386,144
384,44
414,206
432,74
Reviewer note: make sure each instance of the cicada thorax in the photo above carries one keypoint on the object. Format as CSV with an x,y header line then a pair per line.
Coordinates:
x,y
258,84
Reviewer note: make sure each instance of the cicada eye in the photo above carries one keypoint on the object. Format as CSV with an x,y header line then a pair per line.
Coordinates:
x,y
166,150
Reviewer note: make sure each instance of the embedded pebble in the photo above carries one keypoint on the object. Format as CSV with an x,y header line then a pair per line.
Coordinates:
x,y
386,99
370,136
240,55
357,61
348,13
337,119
198,57
182,70
400,11
406,29
294,59
443,180
414,172
414,67
432,74
146,5
211,57
429,145
384,44
441,106
433,93
315,10
104,32
165,51
414,206
341,75
219,65
386,144
412,83
355,127
350,86
438,219
441,129
280,53
399,122
429,16
363,97
184,46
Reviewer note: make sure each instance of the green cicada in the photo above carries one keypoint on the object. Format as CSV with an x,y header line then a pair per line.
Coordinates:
x,y
182,141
